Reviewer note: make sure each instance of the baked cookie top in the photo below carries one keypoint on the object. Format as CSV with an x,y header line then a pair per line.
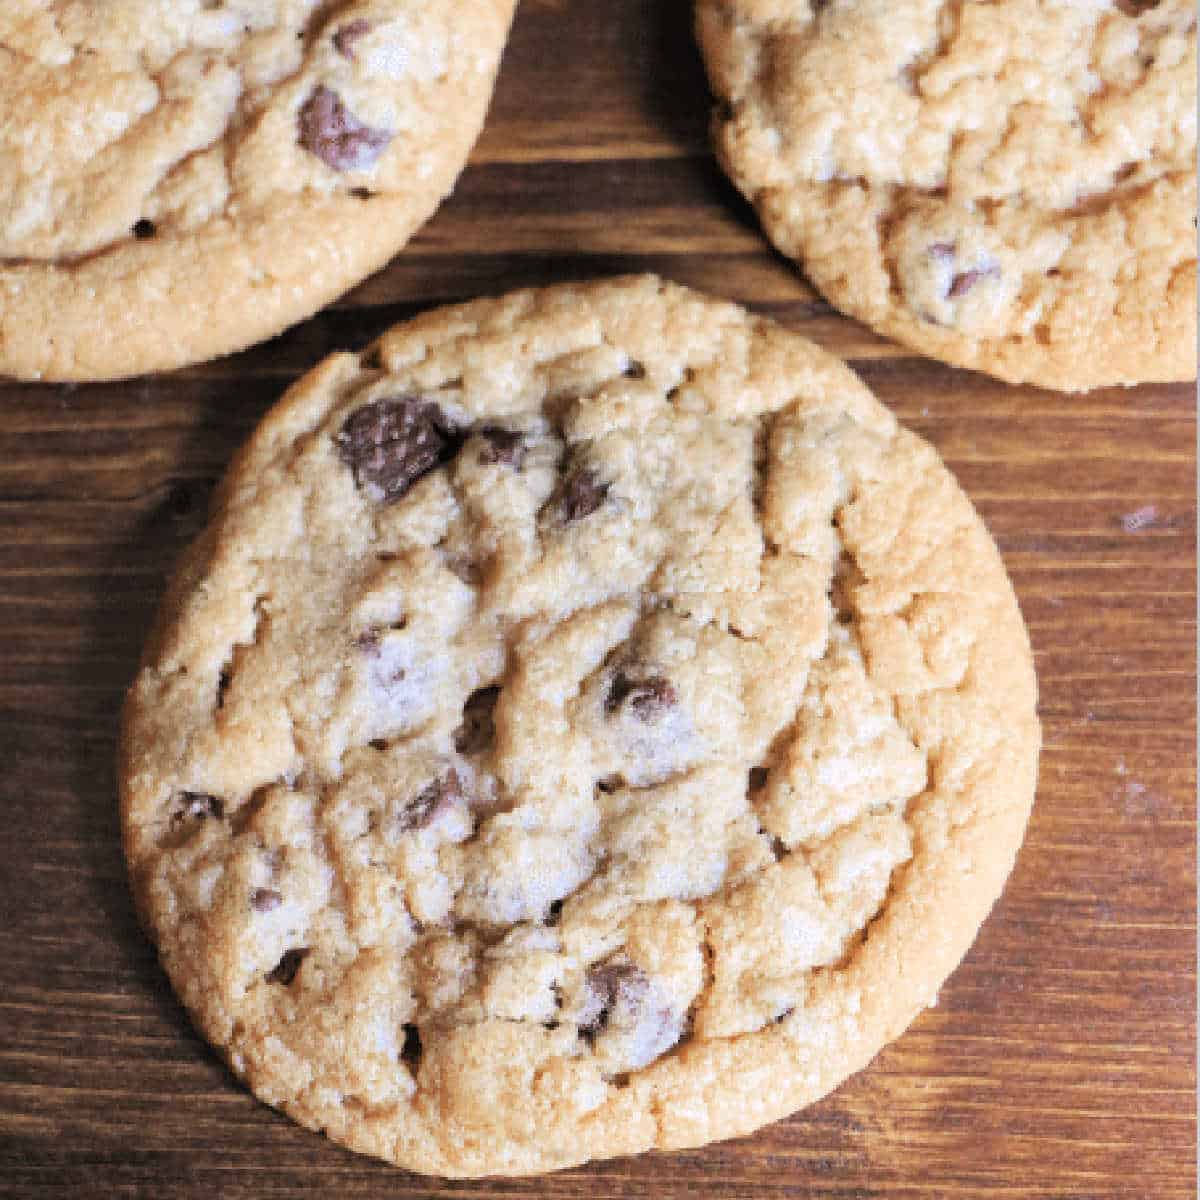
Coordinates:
x,y
1008,186
181,178
588,724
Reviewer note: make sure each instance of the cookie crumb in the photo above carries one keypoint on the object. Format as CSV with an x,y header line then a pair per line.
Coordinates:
x,y
1145,517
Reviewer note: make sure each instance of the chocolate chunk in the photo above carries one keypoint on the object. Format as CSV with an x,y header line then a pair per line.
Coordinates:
x,y
431,802
579,495
635,369
758,779
336,136
505,447
963,282
346,35
196,806
286,968
608,983
478,730
390,444
143,229
265,900
552,916
646,697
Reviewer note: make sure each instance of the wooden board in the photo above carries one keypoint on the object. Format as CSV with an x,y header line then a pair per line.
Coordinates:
x,y
1059,1060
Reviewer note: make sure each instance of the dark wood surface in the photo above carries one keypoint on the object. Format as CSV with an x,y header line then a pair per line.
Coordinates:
x,y
1060,1059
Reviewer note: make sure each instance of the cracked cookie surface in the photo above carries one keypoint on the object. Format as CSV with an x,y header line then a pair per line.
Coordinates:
x,y
1005,186
589,723
181,178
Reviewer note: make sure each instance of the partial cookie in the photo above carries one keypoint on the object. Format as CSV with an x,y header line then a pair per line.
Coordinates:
x,y
588,724
1008,186
179,180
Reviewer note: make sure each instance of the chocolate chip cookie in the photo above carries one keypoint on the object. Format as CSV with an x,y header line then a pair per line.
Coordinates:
x,y
179,180
1008,186
588,724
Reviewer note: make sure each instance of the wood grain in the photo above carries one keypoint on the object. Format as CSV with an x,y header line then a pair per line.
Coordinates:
x,y
1059,1060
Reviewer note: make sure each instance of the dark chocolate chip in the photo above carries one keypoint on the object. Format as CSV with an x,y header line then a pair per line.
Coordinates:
x,y
184,498
197,806
371,638
608,983
336,136
368,641
430,803
478,730
645,698
610,784
963,282
265,900
144,229
758,779
346,35
579,495
390,444
464,568
286,968
555,911
505,447
410,1052
223,686
635,369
